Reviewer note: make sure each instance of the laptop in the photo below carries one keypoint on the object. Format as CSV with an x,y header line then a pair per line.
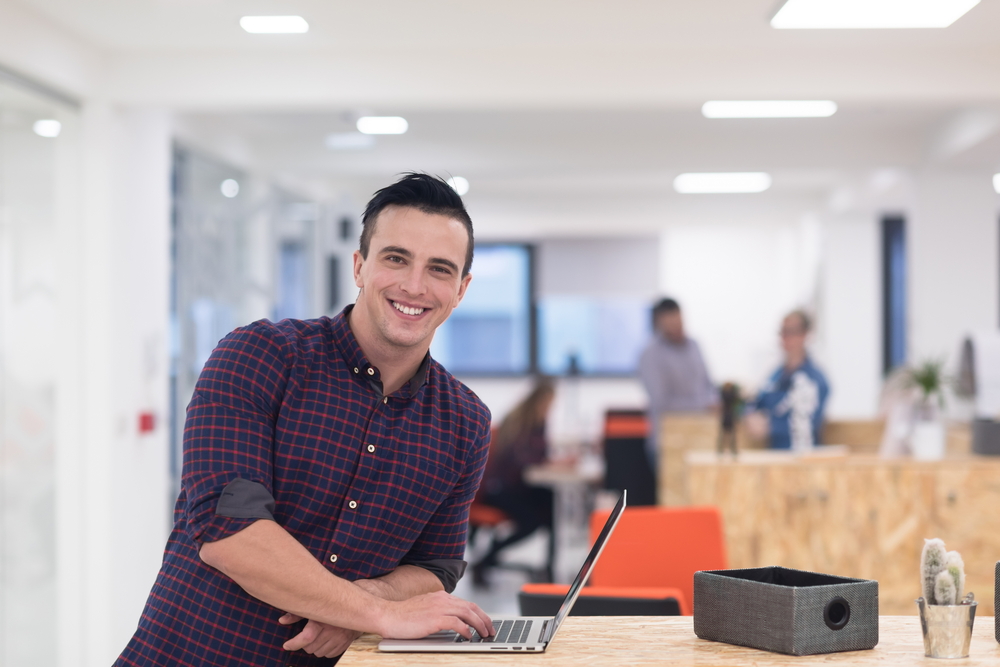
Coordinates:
x,y
525,634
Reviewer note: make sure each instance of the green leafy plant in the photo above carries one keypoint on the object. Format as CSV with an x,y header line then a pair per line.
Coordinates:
x,y
929,377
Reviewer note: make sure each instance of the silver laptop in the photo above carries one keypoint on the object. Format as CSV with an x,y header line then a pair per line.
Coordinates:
x,y
525,634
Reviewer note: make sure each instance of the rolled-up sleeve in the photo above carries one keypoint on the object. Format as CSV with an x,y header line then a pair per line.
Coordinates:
x,y
441,545
229,434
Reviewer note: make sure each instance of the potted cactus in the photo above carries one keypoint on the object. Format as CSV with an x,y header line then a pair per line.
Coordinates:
x,y
946,617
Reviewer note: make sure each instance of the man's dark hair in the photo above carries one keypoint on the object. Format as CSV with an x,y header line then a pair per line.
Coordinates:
x,y
426,193
664,306
805,322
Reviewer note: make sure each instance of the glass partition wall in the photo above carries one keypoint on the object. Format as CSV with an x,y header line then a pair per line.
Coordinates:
x,y
37,143
243,249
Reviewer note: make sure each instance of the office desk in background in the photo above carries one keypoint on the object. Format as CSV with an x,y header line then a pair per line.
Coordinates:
x,y
657,640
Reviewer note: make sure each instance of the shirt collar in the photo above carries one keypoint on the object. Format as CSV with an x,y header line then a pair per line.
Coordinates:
x,y
358,363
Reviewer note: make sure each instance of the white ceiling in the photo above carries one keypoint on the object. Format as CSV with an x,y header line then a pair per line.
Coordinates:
x,y
560,113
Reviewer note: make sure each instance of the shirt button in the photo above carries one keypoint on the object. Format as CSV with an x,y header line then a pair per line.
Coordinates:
x,y
371,449
356,371
386,400
333,558
353,504
371,371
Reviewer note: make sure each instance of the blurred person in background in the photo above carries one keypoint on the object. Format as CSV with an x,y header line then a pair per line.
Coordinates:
x,y
517,443
788,411
673,372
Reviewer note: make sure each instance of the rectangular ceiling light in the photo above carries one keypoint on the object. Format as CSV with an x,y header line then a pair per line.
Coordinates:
x,y
274,24
769,109
848,14
382,125
996,183
722,183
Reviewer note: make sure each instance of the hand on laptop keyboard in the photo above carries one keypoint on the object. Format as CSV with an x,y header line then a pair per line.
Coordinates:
x,y
507,632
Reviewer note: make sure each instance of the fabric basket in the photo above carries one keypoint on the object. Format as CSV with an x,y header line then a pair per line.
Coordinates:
x,y
786,611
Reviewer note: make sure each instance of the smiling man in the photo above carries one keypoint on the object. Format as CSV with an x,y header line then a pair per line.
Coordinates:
x,y
329,466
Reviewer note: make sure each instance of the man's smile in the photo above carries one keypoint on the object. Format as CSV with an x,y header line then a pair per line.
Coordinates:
x,y
407,310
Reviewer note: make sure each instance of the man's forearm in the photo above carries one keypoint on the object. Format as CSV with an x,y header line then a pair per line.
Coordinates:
x,y
271,565
403,583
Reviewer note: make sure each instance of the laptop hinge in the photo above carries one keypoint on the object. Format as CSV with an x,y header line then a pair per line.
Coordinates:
x,y
544,634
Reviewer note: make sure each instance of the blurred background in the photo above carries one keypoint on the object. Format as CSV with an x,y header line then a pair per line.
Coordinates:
x,y
167,175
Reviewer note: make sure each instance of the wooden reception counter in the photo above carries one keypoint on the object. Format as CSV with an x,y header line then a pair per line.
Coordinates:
x,y
854,515
662,640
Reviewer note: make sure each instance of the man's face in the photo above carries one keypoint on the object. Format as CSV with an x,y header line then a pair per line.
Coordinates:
x,y
793,335
671,325
412,278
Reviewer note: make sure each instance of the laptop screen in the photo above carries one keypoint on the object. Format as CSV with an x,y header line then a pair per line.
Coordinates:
x,y
588,565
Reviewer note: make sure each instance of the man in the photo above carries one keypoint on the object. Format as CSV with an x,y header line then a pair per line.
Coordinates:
x,y
329,466
790,407
673,372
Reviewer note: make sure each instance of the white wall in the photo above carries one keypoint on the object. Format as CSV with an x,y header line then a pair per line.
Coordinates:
x,y
735,279
112,498
849,320
953,253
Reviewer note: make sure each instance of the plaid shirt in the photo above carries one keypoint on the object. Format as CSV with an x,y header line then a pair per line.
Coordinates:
x,y
365,482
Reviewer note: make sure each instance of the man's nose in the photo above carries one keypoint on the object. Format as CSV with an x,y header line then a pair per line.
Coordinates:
x,y
414,282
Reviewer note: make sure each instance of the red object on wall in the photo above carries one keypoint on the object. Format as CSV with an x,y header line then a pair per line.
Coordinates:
x,y
147,422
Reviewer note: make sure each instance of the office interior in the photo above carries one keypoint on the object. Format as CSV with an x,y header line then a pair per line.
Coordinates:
x,y
189,177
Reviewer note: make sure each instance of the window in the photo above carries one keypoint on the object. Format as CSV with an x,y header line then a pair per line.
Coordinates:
x,y
490,331
591,335
893,293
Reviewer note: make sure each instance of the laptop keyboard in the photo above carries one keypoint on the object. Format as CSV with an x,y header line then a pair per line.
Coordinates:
x,y
507,632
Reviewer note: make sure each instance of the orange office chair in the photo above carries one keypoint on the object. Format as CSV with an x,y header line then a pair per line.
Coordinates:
x,y
654,551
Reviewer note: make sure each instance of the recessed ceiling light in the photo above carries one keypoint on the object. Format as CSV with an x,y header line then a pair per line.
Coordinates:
x,y
229,188
47,128
996,183
769,109
346,141
382,125
722,182
274,24
847,14
459,185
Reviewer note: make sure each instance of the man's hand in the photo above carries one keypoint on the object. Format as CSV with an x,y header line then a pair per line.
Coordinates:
x,y
319,639
426,614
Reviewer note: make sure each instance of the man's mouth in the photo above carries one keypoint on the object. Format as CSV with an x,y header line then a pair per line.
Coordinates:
x,y
406,310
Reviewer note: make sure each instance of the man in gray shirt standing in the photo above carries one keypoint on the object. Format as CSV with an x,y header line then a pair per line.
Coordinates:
x,y
673,372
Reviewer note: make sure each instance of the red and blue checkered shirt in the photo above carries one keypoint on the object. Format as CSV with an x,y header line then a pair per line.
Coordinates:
x,y
365,482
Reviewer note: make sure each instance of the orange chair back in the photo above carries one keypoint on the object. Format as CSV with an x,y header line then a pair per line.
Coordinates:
x,y
659,547
625,424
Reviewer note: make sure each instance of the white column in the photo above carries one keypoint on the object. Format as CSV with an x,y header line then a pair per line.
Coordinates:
x,y
953,255
849,318
112,481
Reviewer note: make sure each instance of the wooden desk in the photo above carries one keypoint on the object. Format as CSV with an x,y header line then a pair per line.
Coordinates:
x,y
657,640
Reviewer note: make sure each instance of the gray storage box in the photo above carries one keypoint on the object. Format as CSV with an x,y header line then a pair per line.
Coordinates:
x,y
996,601
787,611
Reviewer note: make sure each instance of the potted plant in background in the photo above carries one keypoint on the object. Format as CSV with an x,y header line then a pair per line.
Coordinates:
x,y
946,617
927,437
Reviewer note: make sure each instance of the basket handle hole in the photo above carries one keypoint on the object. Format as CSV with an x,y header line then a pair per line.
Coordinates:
x,y
837,613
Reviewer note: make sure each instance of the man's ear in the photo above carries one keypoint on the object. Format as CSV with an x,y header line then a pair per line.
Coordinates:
x,y
461,288
358,263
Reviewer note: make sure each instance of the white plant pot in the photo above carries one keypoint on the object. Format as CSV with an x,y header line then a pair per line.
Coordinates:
x,y
927,441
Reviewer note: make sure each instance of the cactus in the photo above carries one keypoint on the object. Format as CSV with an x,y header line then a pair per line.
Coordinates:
x,y
931,563
955,567
944,588
942,574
